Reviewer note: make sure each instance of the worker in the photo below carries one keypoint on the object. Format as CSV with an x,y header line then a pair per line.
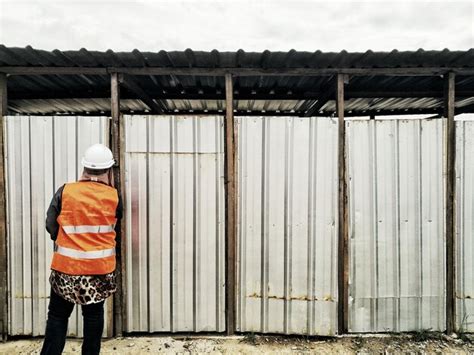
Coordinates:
x,y
82,220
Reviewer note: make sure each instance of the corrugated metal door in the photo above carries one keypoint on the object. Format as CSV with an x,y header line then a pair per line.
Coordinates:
x,y
397,209
175,223
465,225
287,225
42,153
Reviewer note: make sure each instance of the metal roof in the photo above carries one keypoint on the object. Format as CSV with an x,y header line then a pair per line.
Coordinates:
x,y
285,94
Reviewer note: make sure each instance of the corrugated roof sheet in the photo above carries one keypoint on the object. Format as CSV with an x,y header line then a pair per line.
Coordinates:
x,y
29,56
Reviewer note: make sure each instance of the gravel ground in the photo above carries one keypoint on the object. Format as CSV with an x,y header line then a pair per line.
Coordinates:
x,y
418,343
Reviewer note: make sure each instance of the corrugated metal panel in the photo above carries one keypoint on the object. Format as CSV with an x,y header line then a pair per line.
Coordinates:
x,y
42,153
465,225
397,244
287,225
175,217
385,104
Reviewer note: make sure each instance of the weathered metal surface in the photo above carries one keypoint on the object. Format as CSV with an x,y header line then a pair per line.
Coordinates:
x,y
42,153
287,225
175,224
397,209
465,225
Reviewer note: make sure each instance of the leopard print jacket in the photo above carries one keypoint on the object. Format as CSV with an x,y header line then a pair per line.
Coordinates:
x,y
83,289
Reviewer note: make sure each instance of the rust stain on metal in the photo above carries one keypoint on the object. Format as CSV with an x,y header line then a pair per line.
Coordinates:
x,y
18,295
327,298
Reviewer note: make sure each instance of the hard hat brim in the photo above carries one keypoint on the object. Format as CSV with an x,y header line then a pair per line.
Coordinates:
x,y
95,166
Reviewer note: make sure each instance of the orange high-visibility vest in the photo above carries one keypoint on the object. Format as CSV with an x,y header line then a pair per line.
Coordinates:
x,y
86,238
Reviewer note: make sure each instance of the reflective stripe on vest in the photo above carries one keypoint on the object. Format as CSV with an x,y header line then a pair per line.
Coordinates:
x,y
88,229
96,254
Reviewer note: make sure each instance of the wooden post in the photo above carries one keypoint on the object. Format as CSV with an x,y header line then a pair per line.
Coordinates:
x,y
450,203
230,198
116,311
3,217
343,235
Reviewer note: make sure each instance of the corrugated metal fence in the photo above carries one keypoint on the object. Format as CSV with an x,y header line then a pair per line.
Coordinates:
x,y
42,153
287,222
397,252
287,227
175,217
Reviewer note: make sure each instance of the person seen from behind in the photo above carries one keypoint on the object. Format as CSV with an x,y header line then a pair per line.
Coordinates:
x,y
82,219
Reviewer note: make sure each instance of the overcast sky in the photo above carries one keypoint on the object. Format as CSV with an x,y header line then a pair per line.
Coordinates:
x,y
229,25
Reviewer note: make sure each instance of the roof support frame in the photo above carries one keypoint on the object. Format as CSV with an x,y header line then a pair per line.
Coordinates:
x,y
230,147
116,313
343,214
450,144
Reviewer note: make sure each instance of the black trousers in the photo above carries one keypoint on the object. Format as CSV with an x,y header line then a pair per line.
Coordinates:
x,y
59,311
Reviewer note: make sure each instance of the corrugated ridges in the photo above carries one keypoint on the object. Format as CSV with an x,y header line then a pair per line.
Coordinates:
x,y
29,56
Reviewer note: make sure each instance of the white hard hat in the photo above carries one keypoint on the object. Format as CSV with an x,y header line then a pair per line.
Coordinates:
x,y
98,157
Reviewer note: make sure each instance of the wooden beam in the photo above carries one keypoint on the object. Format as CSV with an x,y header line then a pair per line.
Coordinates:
x,y
131,85
450,202
343,220
418,71
231,199
3,217
115,144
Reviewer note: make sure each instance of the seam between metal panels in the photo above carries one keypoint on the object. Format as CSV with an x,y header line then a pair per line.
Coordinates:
x,y
263,229
30,207
310,251
314,154
289,154
172,142
335,218
290,217
147,187
285,237
375,271
217,201
266,250
238,236
350,192
442,156
420,224
195,197
397,222
243,236
22,227
218,177
462,224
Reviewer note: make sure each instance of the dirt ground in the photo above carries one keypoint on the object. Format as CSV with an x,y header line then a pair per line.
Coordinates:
x,y
367,344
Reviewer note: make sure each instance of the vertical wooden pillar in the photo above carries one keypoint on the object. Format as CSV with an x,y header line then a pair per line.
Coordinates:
x,y
343,231
230,198
449,95
116,131
3,217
